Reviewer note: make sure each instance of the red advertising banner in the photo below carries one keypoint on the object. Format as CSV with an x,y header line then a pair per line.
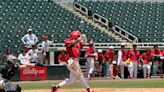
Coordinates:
x,y
33,73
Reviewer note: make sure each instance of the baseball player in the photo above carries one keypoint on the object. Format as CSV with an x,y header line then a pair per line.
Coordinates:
x,y
134,56
34,55
146,60
62,58
7,73
100,61
162,70
122,57
73,45
115,70
45,49
109,56
29,40
24,58
91,55
156,52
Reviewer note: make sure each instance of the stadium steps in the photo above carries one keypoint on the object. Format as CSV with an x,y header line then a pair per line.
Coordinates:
x,y
109,32
142,19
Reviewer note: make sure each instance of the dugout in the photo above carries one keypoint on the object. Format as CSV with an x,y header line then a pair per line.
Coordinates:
x,y
55,71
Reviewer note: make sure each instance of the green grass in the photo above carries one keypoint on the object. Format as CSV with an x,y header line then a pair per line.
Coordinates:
x,y
103,84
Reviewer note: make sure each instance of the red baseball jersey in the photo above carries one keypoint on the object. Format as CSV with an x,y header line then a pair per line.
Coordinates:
x,y
146,57
124,55
63,58
134,55
101,57
90,50
156,52
73,50
109,56
163,52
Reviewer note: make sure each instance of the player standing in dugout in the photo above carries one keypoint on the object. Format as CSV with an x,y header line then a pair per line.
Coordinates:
x,y
91,56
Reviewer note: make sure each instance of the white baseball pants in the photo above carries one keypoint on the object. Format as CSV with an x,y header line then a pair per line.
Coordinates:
x,y
132,68
146,69
90,65
110,71
75,72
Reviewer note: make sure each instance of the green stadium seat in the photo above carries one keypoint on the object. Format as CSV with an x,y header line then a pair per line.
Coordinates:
x,y
132,16
45,18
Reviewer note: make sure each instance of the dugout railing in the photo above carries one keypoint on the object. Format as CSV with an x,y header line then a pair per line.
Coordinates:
x,y
59,46
104,46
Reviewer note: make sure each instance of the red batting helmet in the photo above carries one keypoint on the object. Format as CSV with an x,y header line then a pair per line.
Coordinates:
x,y
75,34
91,42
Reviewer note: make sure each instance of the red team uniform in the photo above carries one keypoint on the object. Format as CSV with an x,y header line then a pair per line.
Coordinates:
x,y
101,57
163,61
99,62
156,54
109,56
73,47
122,57
73,50
134,54
163,52
134,62
91,55
89,51
63,58
146,59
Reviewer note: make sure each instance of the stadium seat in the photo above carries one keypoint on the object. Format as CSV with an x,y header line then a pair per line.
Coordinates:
x,y
134,17
46,18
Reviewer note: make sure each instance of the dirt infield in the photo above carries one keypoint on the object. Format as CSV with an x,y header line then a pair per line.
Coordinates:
x,y
105,90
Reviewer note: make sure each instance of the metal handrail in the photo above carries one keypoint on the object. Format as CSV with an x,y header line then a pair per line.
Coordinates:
x,y
126,35
58,46
80,9
99,20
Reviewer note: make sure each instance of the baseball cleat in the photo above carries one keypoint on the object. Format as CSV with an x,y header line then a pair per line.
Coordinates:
x,y
54,88
148,77
89,90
